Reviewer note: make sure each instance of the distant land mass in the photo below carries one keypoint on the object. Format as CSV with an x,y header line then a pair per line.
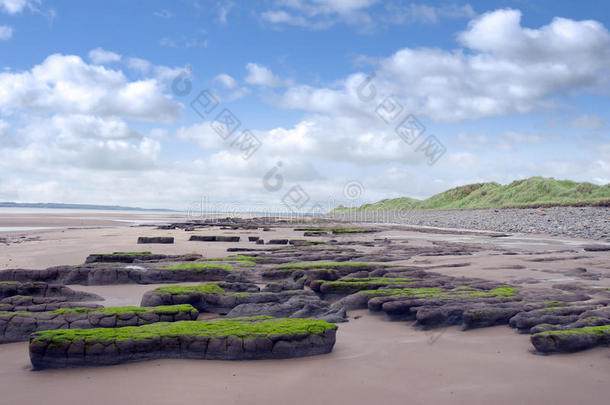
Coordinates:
x,y
534,192
79,207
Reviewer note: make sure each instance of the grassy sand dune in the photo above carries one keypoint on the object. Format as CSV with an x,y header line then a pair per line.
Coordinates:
x,y
532,192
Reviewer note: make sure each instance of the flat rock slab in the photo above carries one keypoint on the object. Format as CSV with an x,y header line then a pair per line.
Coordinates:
x,y
156,239
114,273
17,326
214,298
226,339
206,238
43,289
571,340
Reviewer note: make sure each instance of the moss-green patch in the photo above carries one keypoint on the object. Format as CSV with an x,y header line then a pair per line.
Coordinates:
x,y
9,283
241,327
437,292
243,260
350,230
124,310
364,283
184,308
193,289
587,330
125,253
197,266
241,294
328,265
315,233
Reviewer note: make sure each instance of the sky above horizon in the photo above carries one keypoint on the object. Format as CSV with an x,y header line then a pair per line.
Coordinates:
x,y
296,105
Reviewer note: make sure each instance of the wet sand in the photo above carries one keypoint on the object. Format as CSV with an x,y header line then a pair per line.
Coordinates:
x,y
374,361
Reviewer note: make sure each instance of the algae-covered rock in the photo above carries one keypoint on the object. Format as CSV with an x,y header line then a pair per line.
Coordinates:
x,y
17,326
571,340
225,339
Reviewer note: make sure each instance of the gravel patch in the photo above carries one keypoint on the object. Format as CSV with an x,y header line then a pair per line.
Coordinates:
x,y
577,222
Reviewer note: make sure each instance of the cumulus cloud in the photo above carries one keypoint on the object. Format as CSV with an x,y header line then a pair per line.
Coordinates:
x,y
17,6
588,122
80,141
6,32
262,76
399,13
323,14
505,69
100,56
66,84
226,80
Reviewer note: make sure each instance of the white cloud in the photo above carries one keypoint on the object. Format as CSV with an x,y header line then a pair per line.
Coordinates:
x,y
140,65
508,69
66,84
423,13
17,6
226,80
261,75
323,14
163,14
100,56
6,32
223,11
80,141
588,122
183,42
313,7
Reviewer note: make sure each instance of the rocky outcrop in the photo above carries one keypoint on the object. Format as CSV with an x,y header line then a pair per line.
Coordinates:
x,y
216,298
156,239
114,273
277,242
42,289
41,304
17,326
524,321
226,339
301,306
205,238
571,340
138,257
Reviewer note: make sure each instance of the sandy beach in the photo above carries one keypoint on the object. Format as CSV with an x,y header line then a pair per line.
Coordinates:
x,y
374,360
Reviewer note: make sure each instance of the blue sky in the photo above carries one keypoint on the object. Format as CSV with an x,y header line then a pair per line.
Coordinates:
x,y
499,90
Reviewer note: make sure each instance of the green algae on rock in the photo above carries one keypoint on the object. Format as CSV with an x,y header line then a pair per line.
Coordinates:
x,y
571,340
225,339
17,326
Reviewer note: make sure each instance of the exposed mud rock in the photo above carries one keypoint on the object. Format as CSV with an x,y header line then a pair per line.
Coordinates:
x,y
42,289
17,326
202,238
302,306
571,340
156,239
216,300
114,273
223,340
40,304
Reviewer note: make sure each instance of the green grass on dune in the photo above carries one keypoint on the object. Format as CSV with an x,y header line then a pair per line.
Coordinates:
x,y
244,328
532,192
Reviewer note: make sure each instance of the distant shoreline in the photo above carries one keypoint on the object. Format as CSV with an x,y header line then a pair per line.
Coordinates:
x,y
80,207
